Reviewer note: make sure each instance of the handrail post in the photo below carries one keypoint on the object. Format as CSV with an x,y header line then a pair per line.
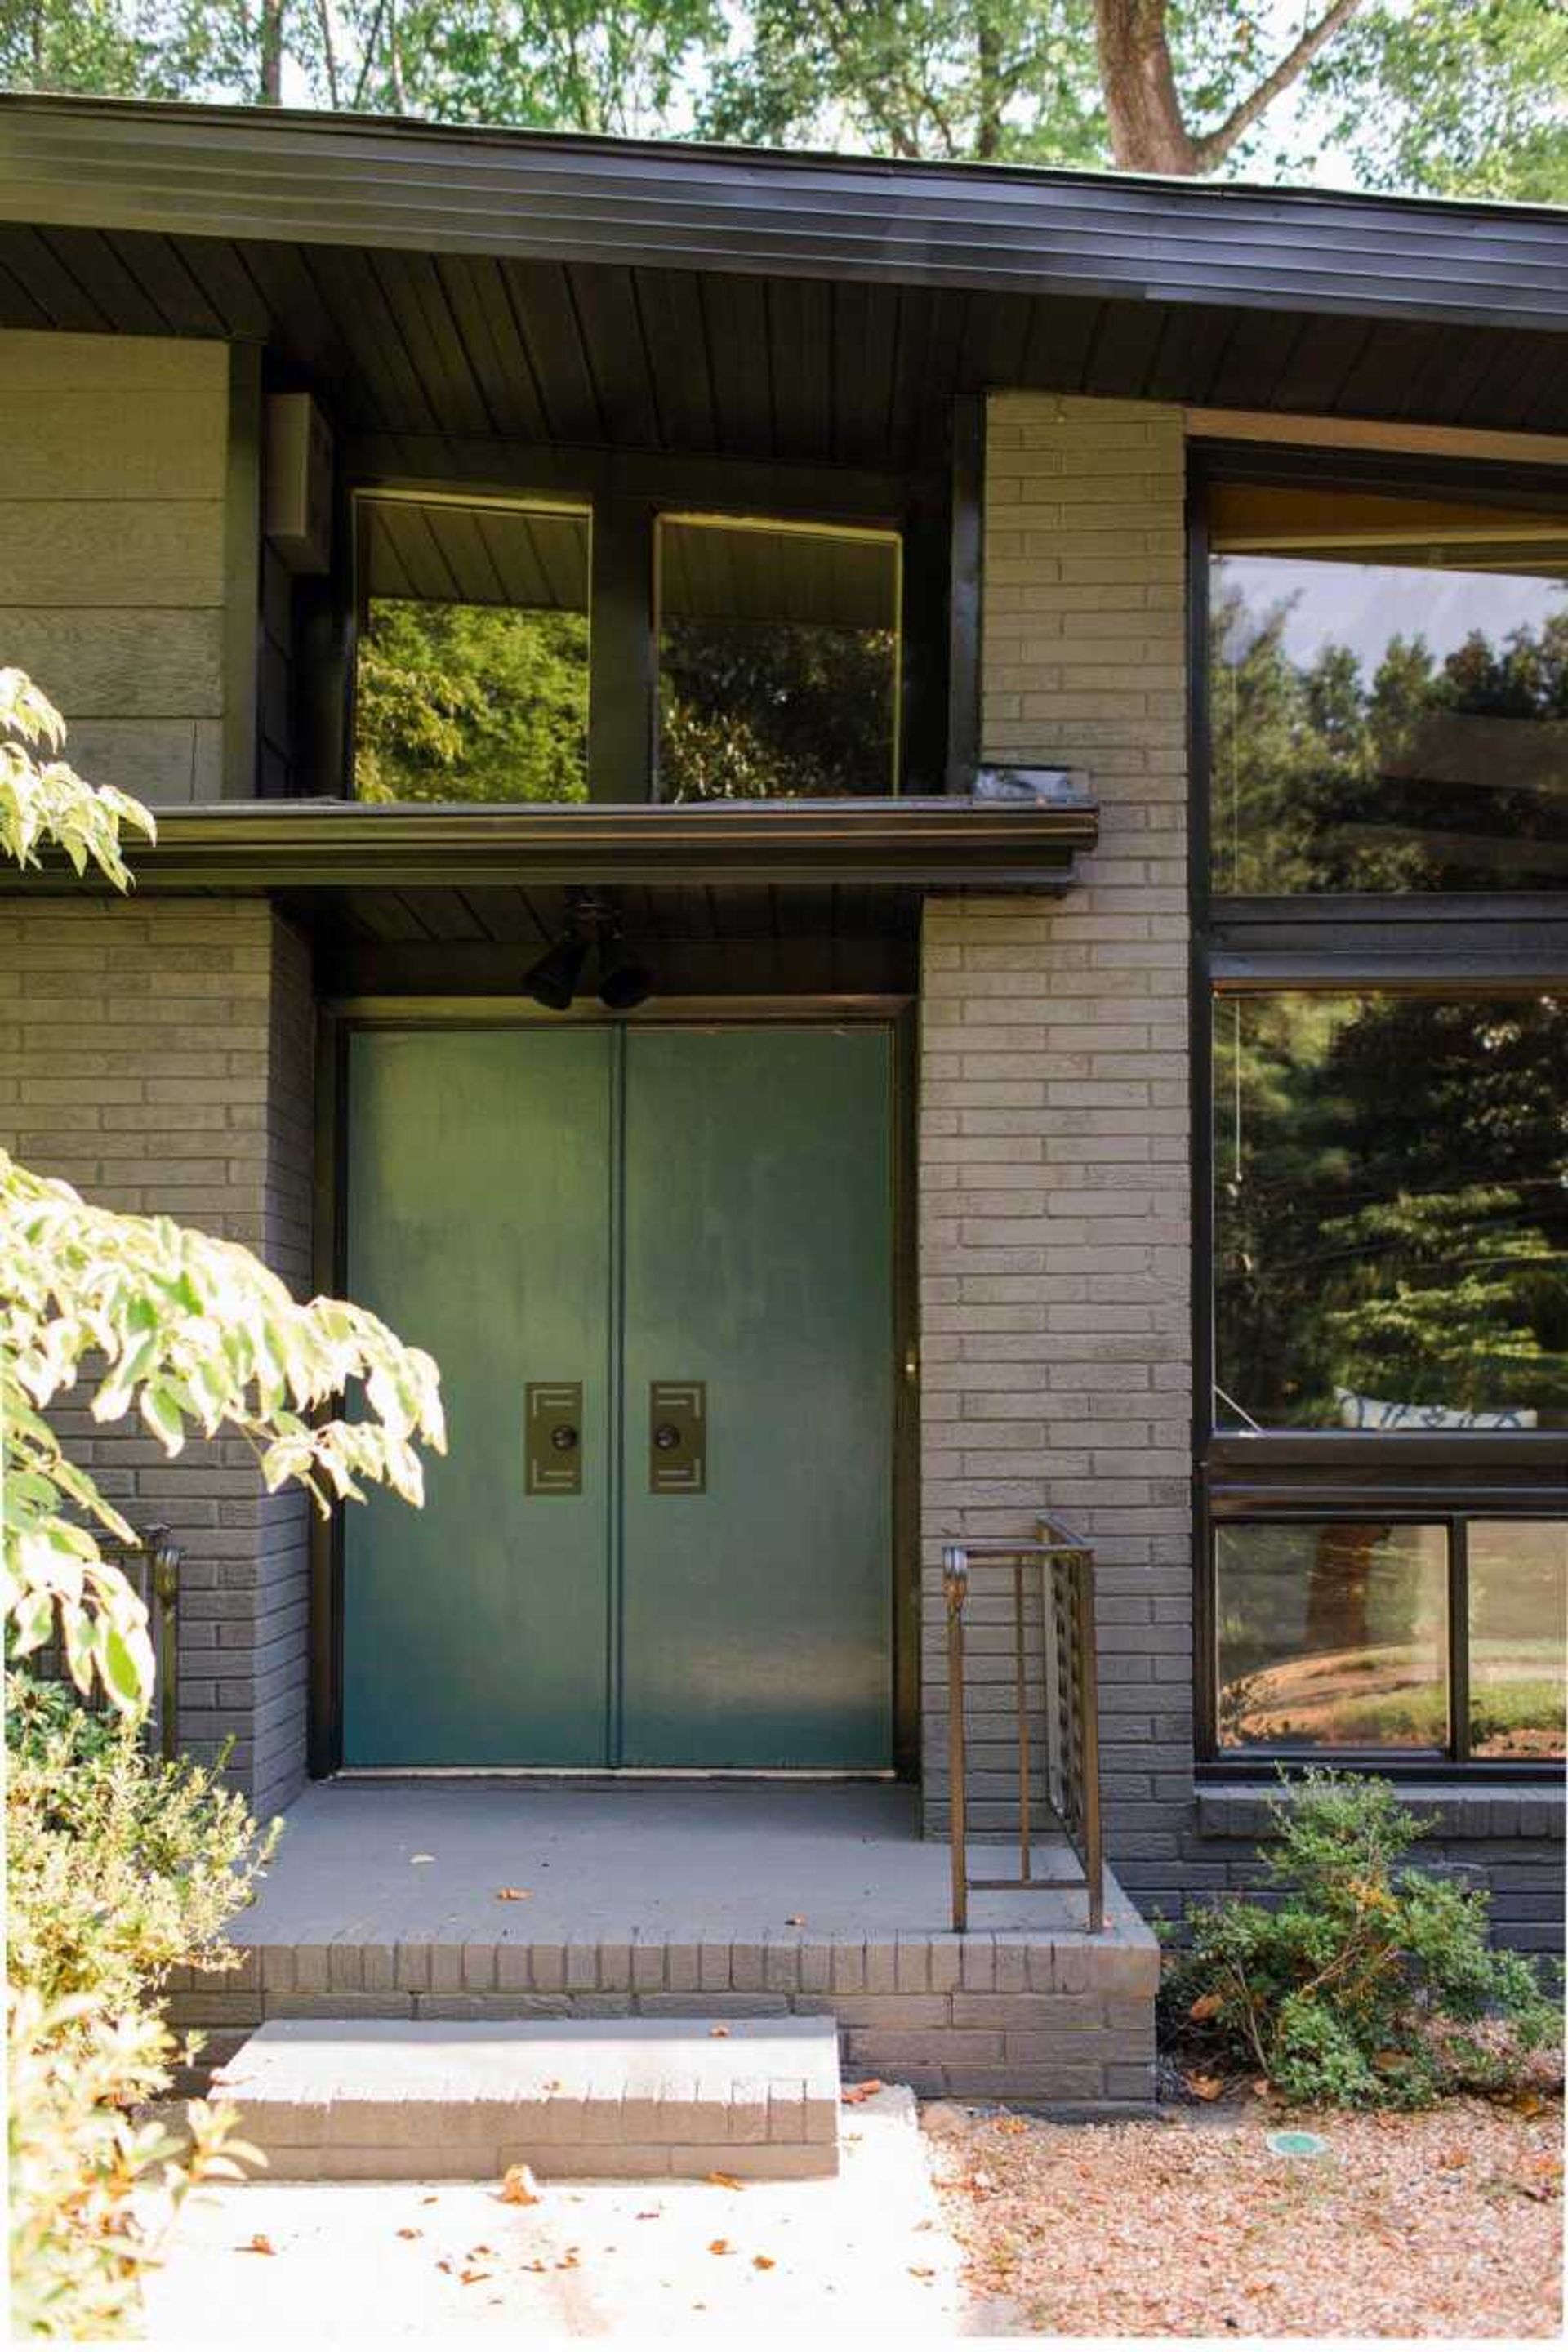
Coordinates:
x,y
1088,1732
955,1587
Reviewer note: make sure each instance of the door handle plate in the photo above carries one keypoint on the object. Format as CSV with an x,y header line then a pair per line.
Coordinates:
x,y
553,1437
677,1437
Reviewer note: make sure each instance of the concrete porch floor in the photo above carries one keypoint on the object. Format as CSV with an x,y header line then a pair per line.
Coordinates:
x,y
669,1899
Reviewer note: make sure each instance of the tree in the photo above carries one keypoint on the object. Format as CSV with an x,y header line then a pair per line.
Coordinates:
x,y
1413,93
189,1333
1418,94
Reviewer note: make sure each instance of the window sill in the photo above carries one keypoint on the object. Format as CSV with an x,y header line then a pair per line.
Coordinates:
x,y
1239,1808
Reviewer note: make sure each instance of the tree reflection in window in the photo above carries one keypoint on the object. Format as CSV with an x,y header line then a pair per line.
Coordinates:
x,y
1389,694
778,650
1390,1209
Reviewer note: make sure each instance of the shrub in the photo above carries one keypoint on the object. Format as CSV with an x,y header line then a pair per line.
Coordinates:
x,y
1358,1983
119,1868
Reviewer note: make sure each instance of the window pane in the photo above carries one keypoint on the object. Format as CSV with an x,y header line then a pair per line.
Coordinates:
x,y
1518,1625
1389,692
1332,1636
471,678
1390,1212
778,652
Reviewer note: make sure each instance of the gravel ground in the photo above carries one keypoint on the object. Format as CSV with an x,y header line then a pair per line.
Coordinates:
x,y
1445,2224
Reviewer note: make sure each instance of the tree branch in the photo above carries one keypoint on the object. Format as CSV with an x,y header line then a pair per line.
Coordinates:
x,y
1212,147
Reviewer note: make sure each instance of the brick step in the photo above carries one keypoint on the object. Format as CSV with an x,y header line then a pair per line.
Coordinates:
x,y
584,2098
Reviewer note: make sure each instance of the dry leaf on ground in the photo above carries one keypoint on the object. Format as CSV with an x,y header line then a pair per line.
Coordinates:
x,y
855,2095
513,1894
719,2246
763,2263
519,2186
723,2180
259,2245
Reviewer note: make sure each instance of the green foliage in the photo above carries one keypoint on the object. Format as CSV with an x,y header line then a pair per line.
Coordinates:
x,y
44,802
1416,94
471,702
753,710
121,1866
119,1869
1358,1983
186,1332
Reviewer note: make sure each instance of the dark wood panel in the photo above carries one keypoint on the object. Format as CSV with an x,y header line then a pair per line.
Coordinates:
x,y
675,337
547,321
613,340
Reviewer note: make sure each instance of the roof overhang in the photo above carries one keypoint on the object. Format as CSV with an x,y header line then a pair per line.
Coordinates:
x,y
302,844
341,180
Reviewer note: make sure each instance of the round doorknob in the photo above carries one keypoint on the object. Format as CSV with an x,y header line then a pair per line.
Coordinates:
x,y
666,1437
564,1437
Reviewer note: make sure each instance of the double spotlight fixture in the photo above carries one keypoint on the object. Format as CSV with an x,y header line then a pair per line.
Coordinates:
x,y
591,936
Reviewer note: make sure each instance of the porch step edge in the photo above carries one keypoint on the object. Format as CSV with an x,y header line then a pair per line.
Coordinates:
x,y
367,2099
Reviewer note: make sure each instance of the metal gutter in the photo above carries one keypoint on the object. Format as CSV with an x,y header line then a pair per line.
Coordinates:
x,y
357,181
297,844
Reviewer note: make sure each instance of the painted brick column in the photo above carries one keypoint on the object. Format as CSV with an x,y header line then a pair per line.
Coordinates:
x,y
1054,1123
156,1054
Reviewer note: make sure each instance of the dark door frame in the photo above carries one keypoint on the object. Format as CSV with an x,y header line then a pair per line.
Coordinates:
x,y
339,1018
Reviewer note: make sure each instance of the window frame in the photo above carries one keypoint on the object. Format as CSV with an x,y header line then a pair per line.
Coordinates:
x,y
1434,943
623,618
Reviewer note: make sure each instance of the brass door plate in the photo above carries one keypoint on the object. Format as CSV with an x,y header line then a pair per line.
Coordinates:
x,y
677,1437
553,1437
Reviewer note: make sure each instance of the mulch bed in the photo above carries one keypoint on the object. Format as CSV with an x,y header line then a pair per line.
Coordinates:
x,y
1447,2223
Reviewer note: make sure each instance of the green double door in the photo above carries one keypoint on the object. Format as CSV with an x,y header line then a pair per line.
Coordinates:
x,y
656,1267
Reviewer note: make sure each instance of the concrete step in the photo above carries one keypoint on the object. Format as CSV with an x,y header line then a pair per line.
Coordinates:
x,y
579,2098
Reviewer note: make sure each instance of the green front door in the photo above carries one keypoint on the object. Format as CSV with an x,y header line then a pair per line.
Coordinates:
x,y
693,1228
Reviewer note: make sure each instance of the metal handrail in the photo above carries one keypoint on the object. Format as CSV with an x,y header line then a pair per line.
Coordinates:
x,y
1072,1721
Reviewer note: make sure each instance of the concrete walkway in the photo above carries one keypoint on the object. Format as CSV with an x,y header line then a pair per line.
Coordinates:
x,y
865,2256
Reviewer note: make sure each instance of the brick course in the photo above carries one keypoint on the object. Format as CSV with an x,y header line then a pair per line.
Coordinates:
x,y
156,1054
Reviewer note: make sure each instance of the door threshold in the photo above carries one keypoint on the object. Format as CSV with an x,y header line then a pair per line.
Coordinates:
x,y
601,1775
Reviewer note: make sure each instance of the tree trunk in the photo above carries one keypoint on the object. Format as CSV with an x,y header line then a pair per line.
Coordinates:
x,y
271,87
1147,133
988,85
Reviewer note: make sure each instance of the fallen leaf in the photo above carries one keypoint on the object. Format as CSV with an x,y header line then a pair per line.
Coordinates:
x,y
720,2246
1011,2124
919,2274
411,2233
1204,2086
421,1857
472,2278
718,2034
430,2200
796,1920
1450,2159
259,2245
513,1894
519,2186
723,2180
855,2095
1209,2004
444,2263
763,2263
1528,2103
654,2213
1386,2061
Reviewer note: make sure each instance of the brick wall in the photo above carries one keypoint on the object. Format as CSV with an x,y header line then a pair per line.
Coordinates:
x,y
1054,1147
1054,1173
156,1054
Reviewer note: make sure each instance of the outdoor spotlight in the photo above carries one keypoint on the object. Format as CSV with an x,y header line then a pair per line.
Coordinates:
x,y
624,982
553,981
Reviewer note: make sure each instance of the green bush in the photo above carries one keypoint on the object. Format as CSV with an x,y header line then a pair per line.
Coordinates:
x,y
1358,1983
119,1868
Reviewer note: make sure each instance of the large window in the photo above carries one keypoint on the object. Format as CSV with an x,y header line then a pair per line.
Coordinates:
x,y
1389,690
778,654
1390,1209
472,675
1436,1639
1382,934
